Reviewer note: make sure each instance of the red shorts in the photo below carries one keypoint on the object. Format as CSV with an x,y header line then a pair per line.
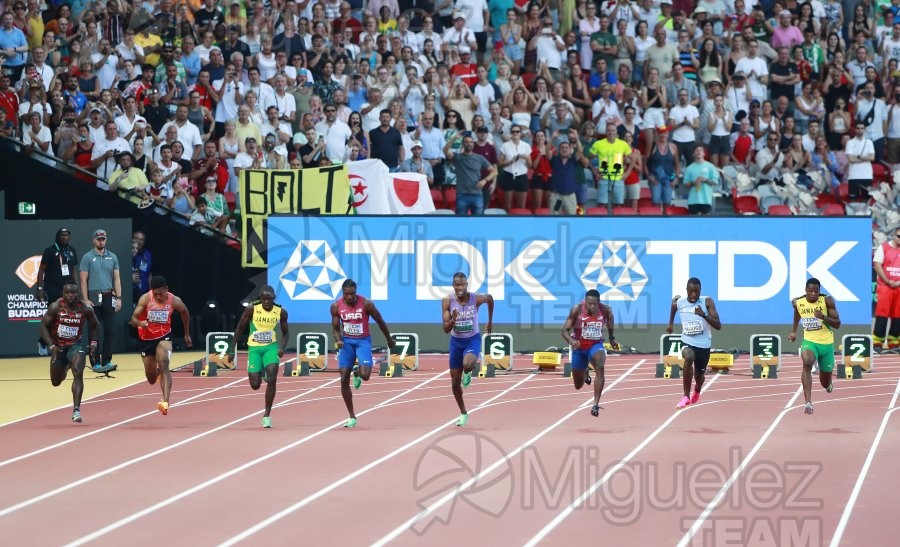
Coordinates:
x,y
888,301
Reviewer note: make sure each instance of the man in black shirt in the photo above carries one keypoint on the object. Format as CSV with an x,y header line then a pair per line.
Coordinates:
x,y
233,43
783,75
59,265
386,143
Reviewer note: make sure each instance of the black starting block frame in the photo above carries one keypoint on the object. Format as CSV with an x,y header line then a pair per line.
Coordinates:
x,y
388,367
202,367
670,359
765,356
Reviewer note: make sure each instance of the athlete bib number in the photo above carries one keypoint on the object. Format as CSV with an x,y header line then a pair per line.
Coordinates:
x,y
263,337
811,323
353,329
692,327
157,316
591,333
65,331
463,326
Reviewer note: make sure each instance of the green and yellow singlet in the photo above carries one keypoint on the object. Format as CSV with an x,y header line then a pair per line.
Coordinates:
x,y
262,325
814,329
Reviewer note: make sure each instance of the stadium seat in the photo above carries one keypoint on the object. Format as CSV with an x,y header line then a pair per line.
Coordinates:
x,y
824,199
780,211
624,211
645,202
443,212
450,198
833,210
676,211
230,199
880,173
519,212
494,211
543,211
744,205
437,197
649,210
645,193
596,211
843,192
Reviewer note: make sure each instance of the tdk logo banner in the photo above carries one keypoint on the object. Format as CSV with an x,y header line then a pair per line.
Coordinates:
x,y
536,268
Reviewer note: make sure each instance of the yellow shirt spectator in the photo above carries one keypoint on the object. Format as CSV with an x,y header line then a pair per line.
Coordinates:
x,y
611,150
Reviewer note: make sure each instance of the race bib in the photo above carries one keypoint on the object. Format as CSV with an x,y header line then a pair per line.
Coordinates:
x,y
157,316
263,337
65,331
592,333
811,323
463,326
64,270
692,327
353,329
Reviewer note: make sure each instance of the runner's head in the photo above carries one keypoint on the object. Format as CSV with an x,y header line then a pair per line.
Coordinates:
x,y
460,284
159,287
349,290
592,301
267,297
70,293
693,290
813,289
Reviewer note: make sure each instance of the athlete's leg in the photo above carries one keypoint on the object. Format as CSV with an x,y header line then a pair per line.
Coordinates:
x,y
151,369
77,366
700,364
598,359
364,356
163,350
579,367
346,360
825,358
59,366
456,372
808,357
255,379
271,379
687,371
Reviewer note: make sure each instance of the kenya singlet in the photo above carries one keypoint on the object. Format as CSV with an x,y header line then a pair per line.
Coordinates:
x,y
67,327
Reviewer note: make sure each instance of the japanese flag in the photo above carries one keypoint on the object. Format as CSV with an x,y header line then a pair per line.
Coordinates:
x,y
408,194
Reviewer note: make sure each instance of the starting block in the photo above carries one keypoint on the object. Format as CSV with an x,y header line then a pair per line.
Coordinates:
x,y
312,349
856,356
296,368
765,372
405,351
498,353
670,357
547,361
486,370
389,368
202,367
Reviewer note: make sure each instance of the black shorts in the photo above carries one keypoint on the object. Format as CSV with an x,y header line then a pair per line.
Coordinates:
x,y
481,41
701,358
509,183
699,209
148,347
65,355
538,183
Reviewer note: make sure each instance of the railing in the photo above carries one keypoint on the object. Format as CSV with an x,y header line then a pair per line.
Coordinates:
x,y
66,167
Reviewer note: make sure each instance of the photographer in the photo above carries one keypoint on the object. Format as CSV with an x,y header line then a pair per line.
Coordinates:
x,y
127,180
103,157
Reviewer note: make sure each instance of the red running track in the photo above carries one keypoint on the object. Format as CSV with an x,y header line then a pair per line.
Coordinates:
x,y
533,464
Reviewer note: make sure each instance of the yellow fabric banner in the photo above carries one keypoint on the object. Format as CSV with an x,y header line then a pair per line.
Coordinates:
x,y
265,192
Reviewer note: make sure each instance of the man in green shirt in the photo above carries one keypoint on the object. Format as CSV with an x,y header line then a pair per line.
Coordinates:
x,y
102,286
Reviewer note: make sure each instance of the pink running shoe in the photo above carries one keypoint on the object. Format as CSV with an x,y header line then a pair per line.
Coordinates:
x,y
685,401
695,396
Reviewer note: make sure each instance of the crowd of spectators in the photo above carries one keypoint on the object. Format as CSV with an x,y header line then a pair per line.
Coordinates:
x,y
167,101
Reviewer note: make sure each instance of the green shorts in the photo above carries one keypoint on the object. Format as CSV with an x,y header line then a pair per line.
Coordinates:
x,y
262,356
824,354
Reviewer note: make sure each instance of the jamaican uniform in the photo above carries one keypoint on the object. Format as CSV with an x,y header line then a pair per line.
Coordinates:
x,y
817,335
263,342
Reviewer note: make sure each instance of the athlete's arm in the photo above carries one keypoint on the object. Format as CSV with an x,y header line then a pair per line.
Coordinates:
x,y
47,321
793,335
488,299
712,314
448,320
138,311
376,315
179,306
336,326
568,325
242,323
672,311
284,332
609,317
833,320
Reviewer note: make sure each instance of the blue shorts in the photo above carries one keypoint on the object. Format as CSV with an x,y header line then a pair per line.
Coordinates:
x,y
459,347
355,348
582,357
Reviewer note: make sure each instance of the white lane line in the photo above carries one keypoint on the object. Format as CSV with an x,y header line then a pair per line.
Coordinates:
x,y
219,478
594,487
428,510
110,426
857,488
127,463
313,497
720,495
